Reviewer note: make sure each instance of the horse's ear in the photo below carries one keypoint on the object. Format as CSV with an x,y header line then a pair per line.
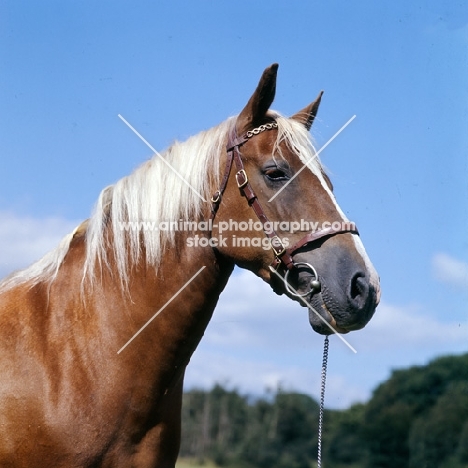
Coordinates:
x,y
307,115
254,112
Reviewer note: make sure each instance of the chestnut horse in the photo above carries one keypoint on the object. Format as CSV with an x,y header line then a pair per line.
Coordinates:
x,y
88,378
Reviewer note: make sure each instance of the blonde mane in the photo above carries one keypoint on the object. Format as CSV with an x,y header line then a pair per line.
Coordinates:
x,y
156,193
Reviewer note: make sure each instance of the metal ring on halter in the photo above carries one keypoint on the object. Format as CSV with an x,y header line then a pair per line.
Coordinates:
x,y
315,283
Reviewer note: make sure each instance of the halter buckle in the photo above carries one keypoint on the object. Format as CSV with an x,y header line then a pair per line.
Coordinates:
x,y
278,242
241,178
216,197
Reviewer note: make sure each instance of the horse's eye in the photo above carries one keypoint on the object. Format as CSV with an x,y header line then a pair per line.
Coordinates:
x,y
276,174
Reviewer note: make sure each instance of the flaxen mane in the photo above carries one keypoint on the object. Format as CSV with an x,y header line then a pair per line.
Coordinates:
x,y
155,192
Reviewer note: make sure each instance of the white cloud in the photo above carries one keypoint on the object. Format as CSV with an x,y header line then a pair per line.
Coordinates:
x,y
409,327
450,270
256,377
24,240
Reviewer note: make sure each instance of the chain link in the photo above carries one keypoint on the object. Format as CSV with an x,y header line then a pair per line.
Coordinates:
x,y
322,400
262,128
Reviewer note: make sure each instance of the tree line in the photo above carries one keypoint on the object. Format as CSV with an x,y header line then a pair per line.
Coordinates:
x,y
418,418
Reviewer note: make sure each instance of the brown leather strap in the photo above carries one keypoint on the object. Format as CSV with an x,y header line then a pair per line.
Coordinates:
x,y
233,145
247,191
218,195
316,235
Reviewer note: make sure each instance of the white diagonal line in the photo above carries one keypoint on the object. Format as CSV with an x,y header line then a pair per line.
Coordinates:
x,y
161,309
317,314
310,159
181,177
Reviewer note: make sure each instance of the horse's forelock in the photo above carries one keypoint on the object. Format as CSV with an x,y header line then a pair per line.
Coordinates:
x,y
297,139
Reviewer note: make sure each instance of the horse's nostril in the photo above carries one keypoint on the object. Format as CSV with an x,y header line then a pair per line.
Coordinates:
x,y
359,290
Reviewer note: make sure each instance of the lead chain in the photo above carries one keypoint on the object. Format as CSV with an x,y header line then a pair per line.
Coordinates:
x,y
322,400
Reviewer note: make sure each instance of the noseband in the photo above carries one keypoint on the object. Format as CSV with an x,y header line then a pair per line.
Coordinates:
x,y
283,256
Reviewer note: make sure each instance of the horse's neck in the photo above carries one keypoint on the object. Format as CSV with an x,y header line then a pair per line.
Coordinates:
x,y
164,311
65,337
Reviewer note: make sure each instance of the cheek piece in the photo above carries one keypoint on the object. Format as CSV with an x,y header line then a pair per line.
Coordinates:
x,y
283,261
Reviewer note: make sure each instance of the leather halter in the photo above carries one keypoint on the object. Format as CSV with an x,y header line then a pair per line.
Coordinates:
x,y
283,255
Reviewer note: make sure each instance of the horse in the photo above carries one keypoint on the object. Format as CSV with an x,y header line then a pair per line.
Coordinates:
x,y
96,335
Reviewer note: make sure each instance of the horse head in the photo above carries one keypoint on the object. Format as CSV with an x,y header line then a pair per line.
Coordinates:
x,y
289,229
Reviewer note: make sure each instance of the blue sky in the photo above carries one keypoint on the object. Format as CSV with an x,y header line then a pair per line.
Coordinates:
x,y
175,68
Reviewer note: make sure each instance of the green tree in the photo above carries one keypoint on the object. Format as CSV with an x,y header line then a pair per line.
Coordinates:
x,y
283,433
435,435
397,403
418,418
462,450
343,440
213,424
